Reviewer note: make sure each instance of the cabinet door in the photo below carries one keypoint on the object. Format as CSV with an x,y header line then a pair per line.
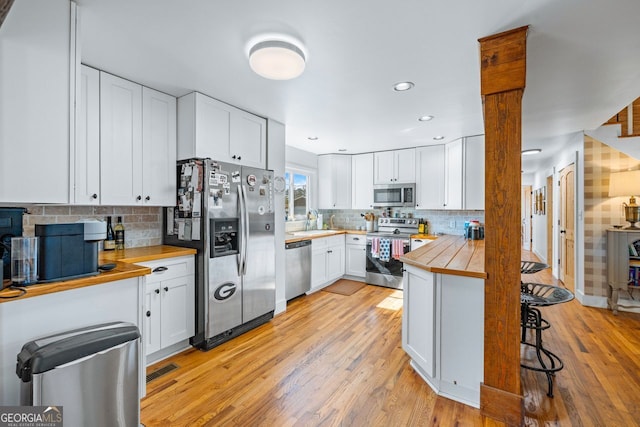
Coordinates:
x,y
430,177
326,194
158,148
87,147
335,262
418,243
418,318
383,167
362,181
318,267
405,166
342,181
453,175
247,145
356,260
120,141
34,103
151,318
474,173
177,309
205,128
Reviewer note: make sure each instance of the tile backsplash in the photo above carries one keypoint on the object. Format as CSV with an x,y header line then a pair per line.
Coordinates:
x,y
143,225
445,222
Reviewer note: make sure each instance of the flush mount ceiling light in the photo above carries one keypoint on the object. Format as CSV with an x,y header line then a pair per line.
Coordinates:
x,y
438,138
312,138
403,86
531,151
425,118
342,150
277,59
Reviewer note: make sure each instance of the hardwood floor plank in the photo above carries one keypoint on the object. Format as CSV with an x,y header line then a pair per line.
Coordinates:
x,y
335,360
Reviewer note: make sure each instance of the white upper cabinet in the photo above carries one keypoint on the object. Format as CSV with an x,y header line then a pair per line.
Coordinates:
x,y
430,177
86,190
158,148
394,167
120,141
334,181
362,181
453,174
37,77
474,173
137,145
210,128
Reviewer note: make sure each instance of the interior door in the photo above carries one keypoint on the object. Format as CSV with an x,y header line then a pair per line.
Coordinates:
x,y
567,226
549,210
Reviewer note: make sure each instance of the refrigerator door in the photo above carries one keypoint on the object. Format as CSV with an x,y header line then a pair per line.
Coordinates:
x,y
225,295
258,286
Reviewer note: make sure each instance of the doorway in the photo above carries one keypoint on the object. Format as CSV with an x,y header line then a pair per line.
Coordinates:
x,y
526,220
549,210
567,226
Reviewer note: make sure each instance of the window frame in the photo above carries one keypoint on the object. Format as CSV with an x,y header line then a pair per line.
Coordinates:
x,y
290,208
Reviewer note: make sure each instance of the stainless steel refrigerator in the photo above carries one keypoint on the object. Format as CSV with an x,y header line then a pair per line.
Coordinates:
x,y
226,212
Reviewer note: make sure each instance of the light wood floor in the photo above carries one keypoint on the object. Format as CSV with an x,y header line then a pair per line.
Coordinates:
x,y
334,360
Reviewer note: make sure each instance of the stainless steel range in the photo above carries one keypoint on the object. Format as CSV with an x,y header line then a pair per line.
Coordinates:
x,y
385,246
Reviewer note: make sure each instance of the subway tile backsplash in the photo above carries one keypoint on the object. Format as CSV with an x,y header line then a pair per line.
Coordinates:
x,y
445,222
143,225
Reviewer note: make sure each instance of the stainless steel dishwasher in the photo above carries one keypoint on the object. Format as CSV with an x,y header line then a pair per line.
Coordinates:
x,y
298,265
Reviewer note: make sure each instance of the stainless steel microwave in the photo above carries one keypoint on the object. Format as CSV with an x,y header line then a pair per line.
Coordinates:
x,y
394,195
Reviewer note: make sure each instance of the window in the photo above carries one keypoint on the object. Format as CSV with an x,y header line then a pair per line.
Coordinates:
x,y
296,195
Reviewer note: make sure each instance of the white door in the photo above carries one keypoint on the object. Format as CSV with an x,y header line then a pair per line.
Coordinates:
x,y
362,181
177,300
87,147
248,139
430,177
405,166
526,220
120,141
159,148
356,260
567,226
383,167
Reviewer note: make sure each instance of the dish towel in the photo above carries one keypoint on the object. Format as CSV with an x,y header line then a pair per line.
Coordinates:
x,y
397,248
375,247
385,249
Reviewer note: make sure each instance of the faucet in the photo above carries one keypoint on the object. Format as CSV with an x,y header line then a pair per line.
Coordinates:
x,y
313,214
331,222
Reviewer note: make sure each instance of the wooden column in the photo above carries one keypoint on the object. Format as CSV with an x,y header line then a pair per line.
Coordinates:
x,y
5,5
503,69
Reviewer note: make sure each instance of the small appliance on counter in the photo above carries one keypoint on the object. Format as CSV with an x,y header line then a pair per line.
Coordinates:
x,y
10,226
473,230
69,251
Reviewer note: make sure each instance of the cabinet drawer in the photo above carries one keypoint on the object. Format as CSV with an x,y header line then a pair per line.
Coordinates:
x,y
169,268
356,239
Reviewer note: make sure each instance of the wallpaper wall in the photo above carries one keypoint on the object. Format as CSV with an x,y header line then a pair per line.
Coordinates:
x,y
601,211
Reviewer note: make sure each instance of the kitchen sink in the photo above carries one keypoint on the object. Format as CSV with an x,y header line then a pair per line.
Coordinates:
x,y
312,232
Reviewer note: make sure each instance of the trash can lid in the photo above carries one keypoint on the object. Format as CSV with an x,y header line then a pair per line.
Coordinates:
x,y
46,353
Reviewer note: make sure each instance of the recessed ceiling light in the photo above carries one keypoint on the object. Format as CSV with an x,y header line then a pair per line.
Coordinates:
x,y
342,149
425,118
277,59
402,86
312,138
531,151
438,138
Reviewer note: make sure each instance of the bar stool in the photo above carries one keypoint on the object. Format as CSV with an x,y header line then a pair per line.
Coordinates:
x,y
533,295
528,267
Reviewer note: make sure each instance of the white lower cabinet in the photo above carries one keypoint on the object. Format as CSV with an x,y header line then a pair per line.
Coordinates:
x,y
443,332
169,304
327,260
418,243
356,255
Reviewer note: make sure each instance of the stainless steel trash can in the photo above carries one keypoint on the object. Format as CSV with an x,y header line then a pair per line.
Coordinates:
x,y
91,372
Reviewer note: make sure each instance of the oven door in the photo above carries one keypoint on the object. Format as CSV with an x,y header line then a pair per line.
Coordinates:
x,y
385,273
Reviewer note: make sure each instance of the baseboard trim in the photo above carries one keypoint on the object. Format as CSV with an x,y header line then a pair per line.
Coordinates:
x,y
501,405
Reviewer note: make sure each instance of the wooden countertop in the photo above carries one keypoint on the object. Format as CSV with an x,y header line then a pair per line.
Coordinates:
x,y
290,237
424,236
124,269
450,255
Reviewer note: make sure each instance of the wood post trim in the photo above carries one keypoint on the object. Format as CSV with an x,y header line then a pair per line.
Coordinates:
x,y
503,72
5,5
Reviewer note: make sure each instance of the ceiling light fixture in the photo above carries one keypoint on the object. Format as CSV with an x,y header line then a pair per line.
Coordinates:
x,y
312,138
425,118
531,151
438,138
277,59
403,86
342,150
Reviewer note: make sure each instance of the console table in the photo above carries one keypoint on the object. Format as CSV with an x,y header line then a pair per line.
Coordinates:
x,y
618,261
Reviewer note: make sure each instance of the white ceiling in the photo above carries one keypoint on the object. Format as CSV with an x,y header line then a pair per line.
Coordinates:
x,y
583,63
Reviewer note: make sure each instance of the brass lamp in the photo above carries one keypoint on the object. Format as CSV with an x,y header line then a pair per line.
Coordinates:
x,y
627,183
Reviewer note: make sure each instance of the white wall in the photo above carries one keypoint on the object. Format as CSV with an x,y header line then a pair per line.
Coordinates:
x,y
276,161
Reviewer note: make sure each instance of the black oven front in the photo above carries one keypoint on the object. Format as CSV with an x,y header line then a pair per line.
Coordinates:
x,y
383,272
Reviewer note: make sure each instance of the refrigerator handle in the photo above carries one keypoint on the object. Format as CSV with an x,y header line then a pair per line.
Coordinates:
x,y
245,221
243,240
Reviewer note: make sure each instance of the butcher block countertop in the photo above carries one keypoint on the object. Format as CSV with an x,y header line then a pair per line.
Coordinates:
x,y
124,269
448,254
298,236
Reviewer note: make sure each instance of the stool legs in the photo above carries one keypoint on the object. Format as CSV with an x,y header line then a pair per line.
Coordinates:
x,y
549,363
